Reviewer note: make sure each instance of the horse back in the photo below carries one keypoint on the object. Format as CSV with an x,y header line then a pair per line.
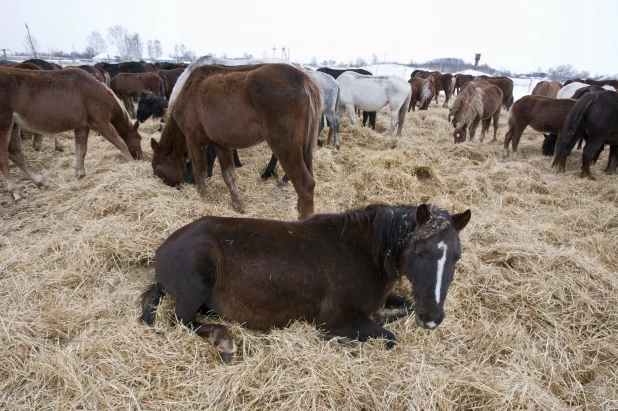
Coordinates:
x,y
266,273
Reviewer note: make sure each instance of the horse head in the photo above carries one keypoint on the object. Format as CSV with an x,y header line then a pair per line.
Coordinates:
x,y
430,261
460,133
549,144
165,166
134,142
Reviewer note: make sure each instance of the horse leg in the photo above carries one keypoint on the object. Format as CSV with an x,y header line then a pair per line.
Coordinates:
x,y
496,119
237,162
588,153
394,308
333,131
226,161
358,326
473,126
365,117
211,156
351,113
612,161
218,335
109,133
270,168
372,119
512,136
6,134
394,120
302,179
16,155
37,142
81,146
484,127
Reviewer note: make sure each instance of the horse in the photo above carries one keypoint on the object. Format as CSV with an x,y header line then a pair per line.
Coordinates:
x,y
238,107
424,74
45,65
169,79
482,105
371,93
170,66
446,84
613,83
422,90
569,90
151,68
506,85
543,114
335,73
460,80
595,118
546,89
128,67
79,103
466,91
94,72
226,266
128,86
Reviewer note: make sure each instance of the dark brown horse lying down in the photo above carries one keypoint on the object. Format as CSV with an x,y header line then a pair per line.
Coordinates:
x,y
595,118
50,102
239,107
334,270
544,114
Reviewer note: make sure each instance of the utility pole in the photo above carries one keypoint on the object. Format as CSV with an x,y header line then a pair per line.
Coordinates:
x,y
274,50
31,44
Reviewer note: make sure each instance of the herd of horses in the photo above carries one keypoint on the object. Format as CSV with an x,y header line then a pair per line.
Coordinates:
x,y
212,107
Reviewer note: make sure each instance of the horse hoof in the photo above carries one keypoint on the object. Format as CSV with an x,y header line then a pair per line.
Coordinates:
x,y
320,143
282,184
390,344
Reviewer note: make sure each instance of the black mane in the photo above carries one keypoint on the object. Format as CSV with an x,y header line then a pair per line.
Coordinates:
x,y
391,230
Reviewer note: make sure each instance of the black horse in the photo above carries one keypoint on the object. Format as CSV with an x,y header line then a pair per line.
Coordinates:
x,y
335,73
227,266
128,67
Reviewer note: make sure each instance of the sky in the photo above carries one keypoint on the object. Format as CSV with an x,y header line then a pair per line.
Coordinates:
x,y
520,36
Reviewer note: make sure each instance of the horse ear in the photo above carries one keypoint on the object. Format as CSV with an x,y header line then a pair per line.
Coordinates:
x,y
462,219
422,214
155,145
136,125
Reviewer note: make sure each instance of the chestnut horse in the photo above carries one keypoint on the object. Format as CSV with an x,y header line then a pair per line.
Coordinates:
x,y
169,79
238,107
423,91
594,117
547,89
506,85
227,266
466,91
483,104
543,114
128,87
460,80
57,101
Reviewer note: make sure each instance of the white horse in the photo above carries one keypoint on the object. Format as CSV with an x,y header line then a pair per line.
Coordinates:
x,y
570,89
371,93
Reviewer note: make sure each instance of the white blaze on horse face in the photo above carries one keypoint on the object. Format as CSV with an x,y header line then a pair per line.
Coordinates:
x,y
442,246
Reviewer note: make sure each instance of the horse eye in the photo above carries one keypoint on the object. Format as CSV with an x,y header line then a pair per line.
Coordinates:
x,y
420,253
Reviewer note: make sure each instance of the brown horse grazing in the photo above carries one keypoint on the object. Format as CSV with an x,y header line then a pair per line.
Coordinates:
x,y
128,87
547,89
447,83
594,117
226,266
53,102
416,83
169,78
483,104
466,91
238,107
506,85
544,114
460,80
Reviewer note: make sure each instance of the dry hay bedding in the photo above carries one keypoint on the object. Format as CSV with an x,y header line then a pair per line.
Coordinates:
x,y
531,317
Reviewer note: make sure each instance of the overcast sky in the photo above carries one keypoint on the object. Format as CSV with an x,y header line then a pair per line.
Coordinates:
x,y
516,35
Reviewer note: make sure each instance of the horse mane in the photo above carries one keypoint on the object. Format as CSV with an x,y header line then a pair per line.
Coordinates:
x,y
472,107
118,102
393,229
426,90
466,91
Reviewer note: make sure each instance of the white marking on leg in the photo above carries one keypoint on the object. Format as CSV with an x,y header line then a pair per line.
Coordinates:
x,y
442,246
431,324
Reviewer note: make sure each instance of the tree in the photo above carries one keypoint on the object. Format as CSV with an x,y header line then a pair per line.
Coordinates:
x,y
247,56
154,49
134,46
360,62
562,72
375,59
314,61
179,51
96,43
30,43
117,36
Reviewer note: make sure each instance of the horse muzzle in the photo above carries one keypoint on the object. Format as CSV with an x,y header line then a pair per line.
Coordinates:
x,y
429,322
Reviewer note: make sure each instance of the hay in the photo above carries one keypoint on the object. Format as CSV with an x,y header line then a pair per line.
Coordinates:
x,y
531,316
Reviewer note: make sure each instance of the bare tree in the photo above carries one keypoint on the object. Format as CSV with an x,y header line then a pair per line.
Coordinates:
x,y
116,35
360,62
375,59
247,56
30,43
562,72
96,43
154,49
314,61
179,51
134,46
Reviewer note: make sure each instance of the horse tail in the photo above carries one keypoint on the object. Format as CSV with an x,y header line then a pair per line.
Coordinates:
x,y
404,108
163,83
314,111
452,89
150,300
426,92
511,131
572,122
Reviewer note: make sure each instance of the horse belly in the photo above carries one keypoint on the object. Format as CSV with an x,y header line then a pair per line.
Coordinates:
x,y
48,114
370,99
232,128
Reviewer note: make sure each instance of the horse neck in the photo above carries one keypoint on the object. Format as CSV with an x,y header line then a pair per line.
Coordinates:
x,y
120,120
